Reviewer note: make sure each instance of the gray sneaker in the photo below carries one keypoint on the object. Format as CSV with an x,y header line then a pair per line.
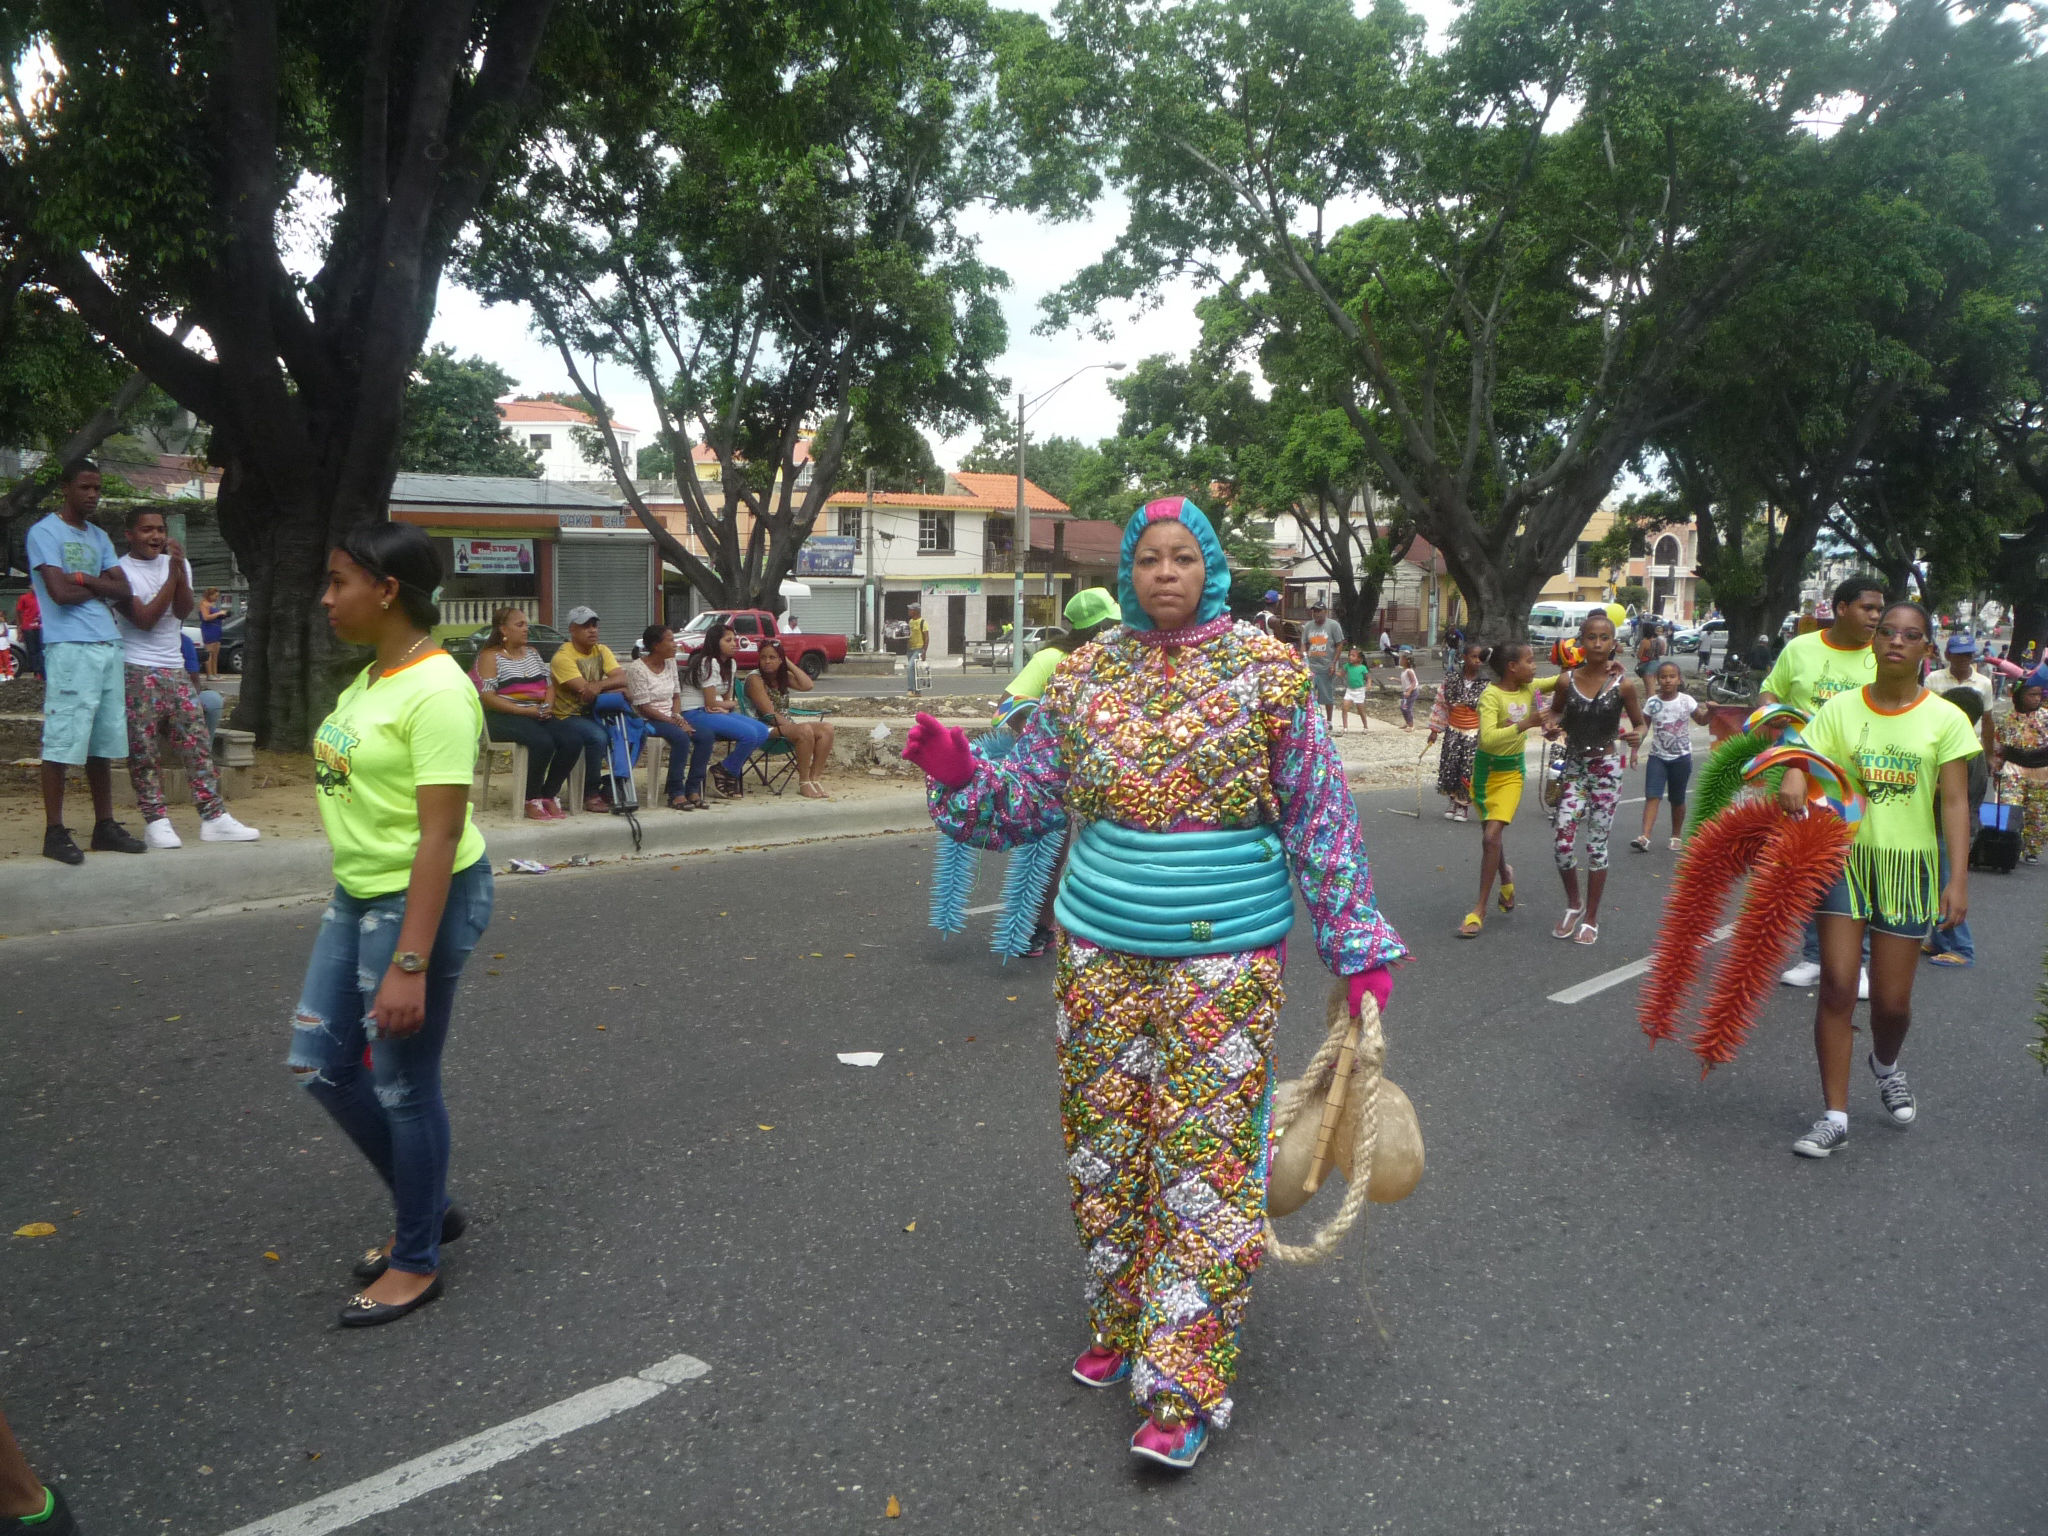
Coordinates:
x,y
1897,1096
1826,1137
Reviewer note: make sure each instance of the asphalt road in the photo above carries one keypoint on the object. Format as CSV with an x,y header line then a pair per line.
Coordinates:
x,y
1616,1303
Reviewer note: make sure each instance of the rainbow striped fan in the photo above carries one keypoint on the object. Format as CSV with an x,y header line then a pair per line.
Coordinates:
x,y
1769,719
1826,785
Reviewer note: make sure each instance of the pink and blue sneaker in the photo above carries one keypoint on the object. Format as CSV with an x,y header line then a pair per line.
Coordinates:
x,y
1099,1367
1176,1448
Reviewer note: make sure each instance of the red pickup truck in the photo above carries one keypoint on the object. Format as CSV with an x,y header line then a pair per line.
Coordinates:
x,y
750,626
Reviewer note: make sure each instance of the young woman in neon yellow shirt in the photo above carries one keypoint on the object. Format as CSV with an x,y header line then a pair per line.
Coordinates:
x,y
1898,743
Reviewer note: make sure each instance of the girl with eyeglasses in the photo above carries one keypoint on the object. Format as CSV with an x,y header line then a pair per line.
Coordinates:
x,y
1898,744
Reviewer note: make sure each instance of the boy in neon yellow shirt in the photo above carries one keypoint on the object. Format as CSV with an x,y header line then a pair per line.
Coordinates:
x,y
1812,669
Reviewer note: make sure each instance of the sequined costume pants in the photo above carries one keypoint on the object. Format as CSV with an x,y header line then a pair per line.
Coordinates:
x,y
1592,789
1165,1072
2032,798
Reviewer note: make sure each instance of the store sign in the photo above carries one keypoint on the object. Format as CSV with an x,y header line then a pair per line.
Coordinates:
x,y
826,554
493,557
941,588
591,520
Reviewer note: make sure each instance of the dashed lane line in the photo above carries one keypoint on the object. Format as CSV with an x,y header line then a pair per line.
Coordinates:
x,y
1621,973
401,1484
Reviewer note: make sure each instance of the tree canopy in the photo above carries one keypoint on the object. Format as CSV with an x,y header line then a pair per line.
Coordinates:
x,y
769,260
1505,256
451,424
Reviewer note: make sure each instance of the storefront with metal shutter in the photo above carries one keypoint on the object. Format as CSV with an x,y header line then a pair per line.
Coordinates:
x,y
829,610
611,572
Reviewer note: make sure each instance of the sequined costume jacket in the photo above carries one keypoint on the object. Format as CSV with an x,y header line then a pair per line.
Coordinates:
x,y
1195,729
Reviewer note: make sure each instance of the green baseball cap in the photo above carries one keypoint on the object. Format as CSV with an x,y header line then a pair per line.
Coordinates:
x,y
1092,605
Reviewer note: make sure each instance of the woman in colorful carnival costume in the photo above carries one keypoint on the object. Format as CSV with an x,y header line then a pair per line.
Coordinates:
x,y
1190,753
1455,717
1024,926
1896,743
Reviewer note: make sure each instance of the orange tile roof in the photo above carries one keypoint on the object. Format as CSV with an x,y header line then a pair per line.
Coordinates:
x,y
549,410
1001,491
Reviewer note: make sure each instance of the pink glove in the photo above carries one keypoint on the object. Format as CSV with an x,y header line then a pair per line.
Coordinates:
x,y
1380,983
941,751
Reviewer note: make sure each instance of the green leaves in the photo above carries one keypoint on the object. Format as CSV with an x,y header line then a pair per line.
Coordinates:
x,y
451,419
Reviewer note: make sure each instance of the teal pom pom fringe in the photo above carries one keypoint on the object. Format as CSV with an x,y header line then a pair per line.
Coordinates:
x,y
1024,886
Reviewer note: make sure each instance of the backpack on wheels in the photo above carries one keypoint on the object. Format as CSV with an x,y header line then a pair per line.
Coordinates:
x,y
1995,845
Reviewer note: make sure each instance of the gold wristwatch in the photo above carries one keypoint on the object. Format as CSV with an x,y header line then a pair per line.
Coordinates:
x,y
410,961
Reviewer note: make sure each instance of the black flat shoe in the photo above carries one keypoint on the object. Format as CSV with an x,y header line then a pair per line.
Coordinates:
x,y
59,1522
361,1312
375,1260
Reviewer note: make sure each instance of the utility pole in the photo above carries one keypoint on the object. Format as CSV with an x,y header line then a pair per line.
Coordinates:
x,y
874,595
1020,539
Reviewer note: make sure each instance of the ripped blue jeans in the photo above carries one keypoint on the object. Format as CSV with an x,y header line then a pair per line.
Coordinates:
x,y
394,1112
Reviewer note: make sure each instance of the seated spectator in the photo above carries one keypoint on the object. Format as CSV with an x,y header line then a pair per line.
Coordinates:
x,y
512,678
210,702
582,669
708,706
656,692
767,694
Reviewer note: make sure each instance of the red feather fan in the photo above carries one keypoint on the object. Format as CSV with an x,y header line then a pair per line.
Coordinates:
x,y
1715,857
1792,862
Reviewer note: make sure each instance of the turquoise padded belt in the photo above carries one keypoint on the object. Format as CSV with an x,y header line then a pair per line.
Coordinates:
x,y
1173,894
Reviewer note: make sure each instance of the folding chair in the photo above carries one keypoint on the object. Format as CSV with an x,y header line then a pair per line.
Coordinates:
x,y
774,764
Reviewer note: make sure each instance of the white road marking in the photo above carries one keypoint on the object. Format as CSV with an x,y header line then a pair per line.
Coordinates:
x,y
1621,973
451,1463
994,906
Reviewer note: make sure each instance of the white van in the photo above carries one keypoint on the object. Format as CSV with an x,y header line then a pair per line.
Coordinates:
x,y
1552,622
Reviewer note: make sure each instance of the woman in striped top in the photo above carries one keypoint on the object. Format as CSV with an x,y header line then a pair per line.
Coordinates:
x,y
512,677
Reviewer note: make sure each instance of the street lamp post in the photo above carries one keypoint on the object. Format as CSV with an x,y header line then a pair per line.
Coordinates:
x,y
1020,526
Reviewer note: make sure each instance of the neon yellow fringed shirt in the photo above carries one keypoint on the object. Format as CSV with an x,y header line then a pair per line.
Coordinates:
x,y
1895,757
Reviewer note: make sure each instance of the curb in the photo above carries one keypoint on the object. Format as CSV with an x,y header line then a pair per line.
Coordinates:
x,y
111,890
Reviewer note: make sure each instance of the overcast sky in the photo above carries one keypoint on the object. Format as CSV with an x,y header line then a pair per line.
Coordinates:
x,y
1038,257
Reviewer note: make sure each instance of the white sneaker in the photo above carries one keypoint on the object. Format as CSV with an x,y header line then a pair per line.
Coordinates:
x,y
225,829
1863,986
1805,974
161,834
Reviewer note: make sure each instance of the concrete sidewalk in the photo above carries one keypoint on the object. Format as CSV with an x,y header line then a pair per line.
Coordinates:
x,y
109,889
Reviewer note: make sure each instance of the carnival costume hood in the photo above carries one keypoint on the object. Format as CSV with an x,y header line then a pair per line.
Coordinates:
x,y
1216,582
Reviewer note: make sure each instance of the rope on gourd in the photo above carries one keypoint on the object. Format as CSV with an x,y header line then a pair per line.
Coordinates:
x,y
1369,1064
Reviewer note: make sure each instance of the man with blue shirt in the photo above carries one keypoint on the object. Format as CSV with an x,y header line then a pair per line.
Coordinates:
x,y
76,574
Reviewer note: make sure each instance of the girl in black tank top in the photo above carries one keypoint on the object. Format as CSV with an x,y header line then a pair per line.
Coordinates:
x,y
1587,706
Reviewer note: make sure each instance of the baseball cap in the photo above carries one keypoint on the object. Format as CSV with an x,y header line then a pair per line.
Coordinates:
x,y
582,613
1962,645
1319,604
1272,597
1091,605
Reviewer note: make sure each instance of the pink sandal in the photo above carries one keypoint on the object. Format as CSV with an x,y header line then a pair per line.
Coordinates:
x,y
1099,1367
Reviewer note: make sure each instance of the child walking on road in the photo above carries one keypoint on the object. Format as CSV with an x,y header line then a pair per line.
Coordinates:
x,y
1668,770
1507,712
1410,686
1353,702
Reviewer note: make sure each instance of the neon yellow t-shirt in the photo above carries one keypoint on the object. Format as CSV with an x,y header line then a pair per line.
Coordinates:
x,y
1895,757
417,725
1501,711
1812,669
1030,683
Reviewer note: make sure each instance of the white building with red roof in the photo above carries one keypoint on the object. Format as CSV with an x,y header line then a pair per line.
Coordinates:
x,y
551,430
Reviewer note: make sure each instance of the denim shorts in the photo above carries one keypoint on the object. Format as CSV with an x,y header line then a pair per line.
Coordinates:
x,y
85,705
1836,904
1665,778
